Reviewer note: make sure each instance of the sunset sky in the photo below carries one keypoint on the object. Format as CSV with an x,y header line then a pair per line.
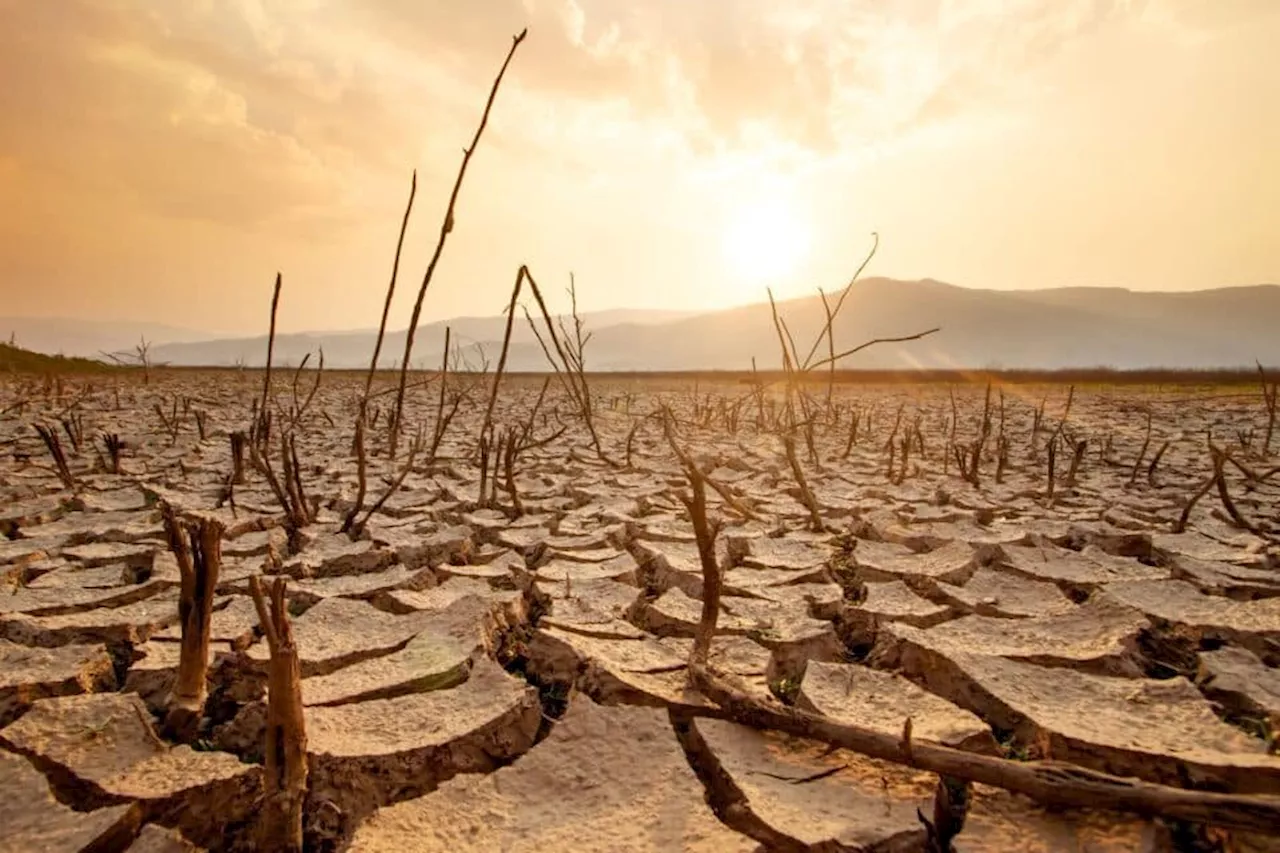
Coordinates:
x,y
161,159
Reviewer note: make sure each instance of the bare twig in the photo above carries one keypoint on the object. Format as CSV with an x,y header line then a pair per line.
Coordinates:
x,y
386,305
260,430
446,227
705,533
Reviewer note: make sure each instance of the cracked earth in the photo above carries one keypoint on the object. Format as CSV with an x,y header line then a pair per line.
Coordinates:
x,y
480,673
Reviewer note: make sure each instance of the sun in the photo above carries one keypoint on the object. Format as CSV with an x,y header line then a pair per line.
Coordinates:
x,y
765,241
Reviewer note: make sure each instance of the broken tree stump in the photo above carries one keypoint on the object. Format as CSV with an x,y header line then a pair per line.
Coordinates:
x,y
285,749
197,547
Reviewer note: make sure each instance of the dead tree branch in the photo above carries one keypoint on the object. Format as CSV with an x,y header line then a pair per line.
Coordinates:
x,y
1051,783
446,227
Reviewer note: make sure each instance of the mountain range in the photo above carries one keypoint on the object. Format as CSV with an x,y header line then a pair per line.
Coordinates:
x,y
1054,328
88,338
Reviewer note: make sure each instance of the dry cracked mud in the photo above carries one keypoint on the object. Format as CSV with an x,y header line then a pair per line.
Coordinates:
x,y
477,676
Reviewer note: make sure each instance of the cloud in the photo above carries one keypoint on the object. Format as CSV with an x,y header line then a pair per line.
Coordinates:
x,y
186,110
248,112
245,135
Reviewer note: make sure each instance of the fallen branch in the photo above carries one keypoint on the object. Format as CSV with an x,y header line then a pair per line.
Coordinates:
x,y
1051,783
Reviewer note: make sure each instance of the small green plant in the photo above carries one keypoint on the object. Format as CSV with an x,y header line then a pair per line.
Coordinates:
x,y
97,730
1012,749
786,689
1264,729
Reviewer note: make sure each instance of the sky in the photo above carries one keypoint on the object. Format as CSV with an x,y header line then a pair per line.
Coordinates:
x,y
161,160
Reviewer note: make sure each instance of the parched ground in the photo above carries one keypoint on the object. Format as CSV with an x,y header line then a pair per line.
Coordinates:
x,y
483,670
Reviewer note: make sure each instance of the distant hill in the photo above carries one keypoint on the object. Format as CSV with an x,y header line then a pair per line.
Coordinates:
x,y
1074,327
17,360
88,338
1033,329
353,349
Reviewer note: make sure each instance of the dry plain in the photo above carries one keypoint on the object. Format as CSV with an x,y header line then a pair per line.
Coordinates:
x,y
496,656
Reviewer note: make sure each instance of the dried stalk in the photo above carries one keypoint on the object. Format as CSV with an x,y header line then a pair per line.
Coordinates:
x,y
806,494
1155,460
111,441
1076,458
54,445
568,363
261,428
361,478
238,443
502,356
386,305
1269,400
1146,442
414,449
1181,524
299,410
705,533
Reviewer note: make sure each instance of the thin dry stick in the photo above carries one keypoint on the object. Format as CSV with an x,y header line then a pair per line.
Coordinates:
x,y
568,369
414,449
1228,503
386,305
445,228
1146,442
1155,461
831,316
831,349
806,494
705,533
54,444
984,432
1181,524
300,409
362,480
1002,446
258,433
730,499
238,442
285,744
114,445
788,362
1066,411
509,463
502,356
955,426
862,346
1269,400
442,423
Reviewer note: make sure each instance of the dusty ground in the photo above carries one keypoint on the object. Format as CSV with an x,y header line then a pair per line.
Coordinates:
x,y
478,679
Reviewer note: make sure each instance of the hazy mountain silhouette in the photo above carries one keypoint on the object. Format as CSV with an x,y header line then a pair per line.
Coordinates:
x,y
88,338
475,335
1055,328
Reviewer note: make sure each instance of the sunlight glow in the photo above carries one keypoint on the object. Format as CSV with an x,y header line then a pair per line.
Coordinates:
x,y
764,241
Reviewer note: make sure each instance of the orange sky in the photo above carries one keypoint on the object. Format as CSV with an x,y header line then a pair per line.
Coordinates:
x,y
161,159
